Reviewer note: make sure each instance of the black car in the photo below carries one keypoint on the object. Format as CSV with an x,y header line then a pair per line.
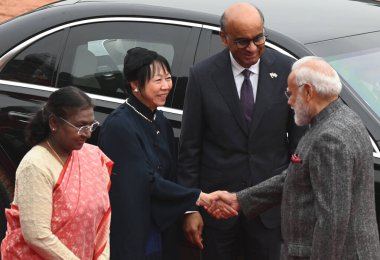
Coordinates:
x,y
83,43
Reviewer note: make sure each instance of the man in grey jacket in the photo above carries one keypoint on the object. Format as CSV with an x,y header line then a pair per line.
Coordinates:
x,y
327,192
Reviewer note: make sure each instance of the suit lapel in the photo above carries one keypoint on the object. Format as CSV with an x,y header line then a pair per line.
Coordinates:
x,y
265,87
225,82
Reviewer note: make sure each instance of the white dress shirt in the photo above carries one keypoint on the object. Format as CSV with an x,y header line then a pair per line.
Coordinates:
x,y
239,77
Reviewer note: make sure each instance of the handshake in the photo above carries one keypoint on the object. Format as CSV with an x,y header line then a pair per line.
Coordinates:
x,y
219,204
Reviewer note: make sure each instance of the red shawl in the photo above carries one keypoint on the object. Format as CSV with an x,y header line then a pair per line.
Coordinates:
x,y
81,209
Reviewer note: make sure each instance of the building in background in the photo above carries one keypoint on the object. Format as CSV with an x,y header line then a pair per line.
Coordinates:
x,y
11,8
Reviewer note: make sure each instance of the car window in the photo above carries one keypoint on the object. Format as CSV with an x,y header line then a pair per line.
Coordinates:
x,y
94,55
216,44
209,44
361,71
357,60
36,63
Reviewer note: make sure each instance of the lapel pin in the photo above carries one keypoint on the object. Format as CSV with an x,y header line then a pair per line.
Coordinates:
x,y
273,75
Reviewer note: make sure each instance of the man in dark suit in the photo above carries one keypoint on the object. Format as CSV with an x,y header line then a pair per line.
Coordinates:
x,y
327,193
237,131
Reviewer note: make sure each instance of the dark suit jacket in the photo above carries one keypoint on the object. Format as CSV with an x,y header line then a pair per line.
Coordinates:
x,y
218,150
327,198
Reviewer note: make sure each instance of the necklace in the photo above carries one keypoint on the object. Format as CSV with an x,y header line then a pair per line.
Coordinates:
x,y
147,119
55,153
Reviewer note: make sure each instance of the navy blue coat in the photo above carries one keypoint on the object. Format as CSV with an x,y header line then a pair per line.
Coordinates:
x,y
141,194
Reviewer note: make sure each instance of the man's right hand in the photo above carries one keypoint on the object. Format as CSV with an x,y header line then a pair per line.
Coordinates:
x,y
219,204
193,228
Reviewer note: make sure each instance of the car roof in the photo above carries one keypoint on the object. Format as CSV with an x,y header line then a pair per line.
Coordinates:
x,y
318,21
306,21
14,31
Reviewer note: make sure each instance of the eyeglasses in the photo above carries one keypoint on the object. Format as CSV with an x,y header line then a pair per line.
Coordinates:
x,y
242,43
83,129
288,93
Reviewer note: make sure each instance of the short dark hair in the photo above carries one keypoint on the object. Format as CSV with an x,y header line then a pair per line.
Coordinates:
x,y
60,103
137,66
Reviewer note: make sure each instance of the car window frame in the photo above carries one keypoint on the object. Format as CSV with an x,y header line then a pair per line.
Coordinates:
x,y
170,113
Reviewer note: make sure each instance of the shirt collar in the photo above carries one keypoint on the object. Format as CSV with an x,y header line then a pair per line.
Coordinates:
x,y
237,68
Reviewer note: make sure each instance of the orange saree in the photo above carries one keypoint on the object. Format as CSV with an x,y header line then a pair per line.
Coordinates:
x,y
81,209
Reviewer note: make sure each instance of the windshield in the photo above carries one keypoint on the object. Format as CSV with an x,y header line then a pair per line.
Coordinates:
x,y
357,60
362,71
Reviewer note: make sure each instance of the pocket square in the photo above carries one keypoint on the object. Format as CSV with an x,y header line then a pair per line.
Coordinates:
x,y
295,158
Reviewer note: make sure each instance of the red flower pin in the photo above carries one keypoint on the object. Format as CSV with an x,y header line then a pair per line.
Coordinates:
x,y
295,158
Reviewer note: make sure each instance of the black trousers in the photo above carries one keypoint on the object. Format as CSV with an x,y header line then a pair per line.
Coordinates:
x,y
246,239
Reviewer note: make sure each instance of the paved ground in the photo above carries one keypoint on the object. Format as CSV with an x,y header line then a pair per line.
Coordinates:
x,y
11,8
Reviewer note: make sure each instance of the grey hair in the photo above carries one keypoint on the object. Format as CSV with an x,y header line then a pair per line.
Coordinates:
x,y
317,72
222,20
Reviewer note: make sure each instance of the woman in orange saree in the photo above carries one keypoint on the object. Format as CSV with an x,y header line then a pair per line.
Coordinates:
x,y
61,208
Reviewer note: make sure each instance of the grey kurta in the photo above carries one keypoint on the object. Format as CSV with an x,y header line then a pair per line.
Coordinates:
x,y
327,199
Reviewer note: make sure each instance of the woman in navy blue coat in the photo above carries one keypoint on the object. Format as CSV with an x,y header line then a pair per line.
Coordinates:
x,y
145,201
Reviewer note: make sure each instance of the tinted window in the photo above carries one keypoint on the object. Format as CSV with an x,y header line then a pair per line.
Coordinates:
x,y
94,55
357,60
36,63
209,44
216,44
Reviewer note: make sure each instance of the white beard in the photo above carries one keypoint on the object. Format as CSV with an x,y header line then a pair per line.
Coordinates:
x,y
302,113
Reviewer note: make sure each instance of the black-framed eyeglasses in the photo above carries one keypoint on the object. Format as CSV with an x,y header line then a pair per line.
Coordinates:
x,y
288,93
83,129
242,43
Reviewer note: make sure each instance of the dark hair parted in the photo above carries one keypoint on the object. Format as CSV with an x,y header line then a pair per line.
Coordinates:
x,y
60,103
137,66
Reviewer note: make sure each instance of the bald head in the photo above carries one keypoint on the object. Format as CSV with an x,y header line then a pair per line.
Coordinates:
x,y
319,73
243,14
242,32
